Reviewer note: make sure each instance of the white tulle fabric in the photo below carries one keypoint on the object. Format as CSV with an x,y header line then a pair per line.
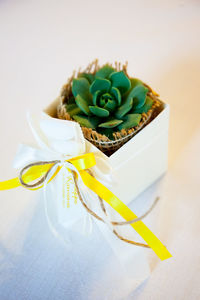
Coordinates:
x,y
60,140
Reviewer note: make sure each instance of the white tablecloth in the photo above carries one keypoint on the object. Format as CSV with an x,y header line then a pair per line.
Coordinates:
x,y
41,43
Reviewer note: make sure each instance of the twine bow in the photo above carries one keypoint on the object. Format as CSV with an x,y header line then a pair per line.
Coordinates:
x,y
35,175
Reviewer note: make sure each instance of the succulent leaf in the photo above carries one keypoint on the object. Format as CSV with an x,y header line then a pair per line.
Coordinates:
x,y
99,112
73,109
116,93
130,120
110,105
111,123
107,132
100,84
138,94
88,76
124,109
102,102
89,122
83,105
104,72
95,97
145,108
106,96
81,86
120,81
134,82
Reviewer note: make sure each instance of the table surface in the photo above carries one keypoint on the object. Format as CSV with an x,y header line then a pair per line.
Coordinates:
x,y
42,42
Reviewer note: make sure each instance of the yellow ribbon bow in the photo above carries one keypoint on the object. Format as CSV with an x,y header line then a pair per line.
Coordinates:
x,y
81,163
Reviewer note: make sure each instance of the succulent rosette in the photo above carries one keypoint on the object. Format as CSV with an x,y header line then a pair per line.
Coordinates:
x,y
108,101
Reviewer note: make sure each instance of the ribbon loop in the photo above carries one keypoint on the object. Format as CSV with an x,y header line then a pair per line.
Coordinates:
x,y
83,162
45,168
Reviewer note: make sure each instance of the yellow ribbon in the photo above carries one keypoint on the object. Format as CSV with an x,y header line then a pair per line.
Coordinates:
x,y
81,163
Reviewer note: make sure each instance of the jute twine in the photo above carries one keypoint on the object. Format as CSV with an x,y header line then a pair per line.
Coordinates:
x,y
42,180
102,142
114,223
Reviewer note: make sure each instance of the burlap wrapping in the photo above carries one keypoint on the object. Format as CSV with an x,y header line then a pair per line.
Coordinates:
x,y
102,142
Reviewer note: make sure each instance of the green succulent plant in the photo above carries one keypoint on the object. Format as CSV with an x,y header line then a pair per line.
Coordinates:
x,y
108,101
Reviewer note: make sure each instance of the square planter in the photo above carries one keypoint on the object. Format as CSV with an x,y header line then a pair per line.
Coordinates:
x,y
140,161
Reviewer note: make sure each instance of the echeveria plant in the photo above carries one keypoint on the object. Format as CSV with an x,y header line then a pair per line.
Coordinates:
x,y
108,101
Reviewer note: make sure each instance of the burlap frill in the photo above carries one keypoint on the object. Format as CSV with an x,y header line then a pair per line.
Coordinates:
x,y
102,142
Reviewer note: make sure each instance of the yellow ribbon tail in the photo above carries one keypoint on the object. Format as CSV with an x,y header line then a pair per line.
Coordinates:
x,y
127,214
9,184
